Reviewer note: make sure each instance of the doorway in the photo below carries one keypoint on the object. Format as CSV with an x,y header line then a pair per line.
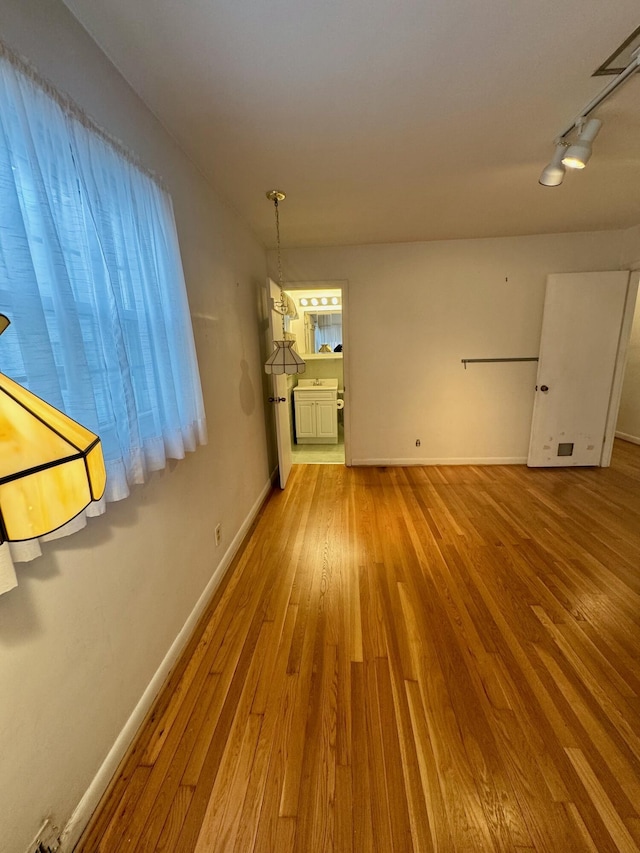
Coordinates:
x,y
318,398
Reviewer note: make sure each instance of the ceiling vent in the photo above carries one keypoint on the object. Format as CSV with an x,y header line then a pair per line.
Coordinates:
x,y
621,57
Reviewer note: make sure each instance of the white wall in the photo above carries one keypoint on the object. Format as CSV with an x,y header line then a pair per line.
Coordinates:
x,y
416,310
91,621
326,367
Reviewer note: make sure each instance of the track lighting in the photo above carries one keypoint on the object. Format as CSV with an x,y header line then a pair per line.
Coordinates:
x,y
578,154
553,174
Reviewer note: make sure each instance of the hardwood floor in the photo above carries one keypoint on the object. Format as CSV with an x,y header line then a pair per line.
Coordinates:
x,y
407,659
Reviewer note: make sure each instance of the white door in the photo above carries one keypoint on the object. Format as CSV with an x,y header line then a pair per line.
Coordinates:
x,y
579,351
280,393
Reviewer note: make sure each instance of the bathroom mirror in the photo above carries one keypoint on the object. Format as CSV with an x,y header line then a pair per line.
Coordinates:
x,y
322,331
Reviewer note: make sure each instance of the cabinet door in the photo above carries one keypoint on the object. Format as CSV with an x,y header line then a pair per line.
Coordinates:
x,y
326,419
305,419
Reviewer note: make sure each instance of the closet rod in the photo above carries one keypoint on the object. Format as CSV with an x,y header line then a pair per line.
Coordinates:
x,y
467,361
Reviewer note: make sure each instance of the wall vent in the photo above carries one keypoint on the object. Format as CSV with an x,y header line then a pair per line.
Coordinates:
x,y
47,840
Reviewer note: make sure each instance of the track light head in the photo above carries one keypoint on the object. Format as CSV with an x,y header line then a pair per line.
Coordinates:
x,y
553,173
577,155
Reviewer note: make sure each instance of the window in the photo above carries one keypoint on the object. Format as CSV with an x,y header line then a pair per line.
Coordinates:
x,y
91,278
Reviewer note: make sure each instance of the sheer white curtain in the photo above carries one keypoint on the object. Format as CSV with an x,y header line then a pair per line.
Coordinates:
x,y
91,278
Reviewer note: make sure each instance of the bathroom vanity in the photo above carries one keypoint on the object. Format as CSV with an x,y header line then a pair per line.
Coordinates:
x,y
316,411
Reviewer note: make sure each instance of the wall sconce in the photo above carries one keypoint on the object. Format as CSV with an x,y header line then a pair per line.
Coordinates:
x,y
51,467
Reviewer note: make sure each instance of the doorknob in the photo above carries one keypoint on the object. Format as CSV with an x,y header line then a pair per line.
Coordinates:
x,y
277,399
544,388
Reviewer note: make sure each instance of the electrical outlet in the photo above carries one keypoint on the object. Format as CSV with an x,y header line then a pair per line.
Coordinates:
x,y
218,534
417,442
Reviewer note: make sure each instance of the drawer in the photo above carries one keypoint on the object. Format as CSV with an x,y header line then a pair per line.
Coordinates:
x,y
308,394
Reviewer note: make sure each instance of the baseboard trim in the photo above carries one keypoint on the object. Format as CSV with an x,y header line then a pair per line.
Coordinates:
x,y
626,437
482,460
94,793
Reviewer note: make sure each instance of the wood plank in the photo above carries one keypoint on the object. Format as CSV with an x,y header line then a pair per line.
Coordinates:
x,y
126,808
175,819
436,810
316,804
610,817
360,766
222,817
274,731
274,757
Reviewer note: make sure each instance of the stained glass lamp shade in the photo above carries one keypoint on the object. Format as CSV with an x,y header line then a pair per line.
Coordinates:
x,y
51,467
284,359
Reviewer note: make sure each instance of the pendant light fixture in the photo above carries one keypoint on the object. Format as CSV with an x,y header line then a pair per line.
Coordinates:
x,y
51,467
283,359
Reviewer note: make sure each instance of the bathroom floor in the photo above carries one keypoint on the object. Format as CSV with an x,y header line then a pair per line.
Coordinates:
x,y
320,454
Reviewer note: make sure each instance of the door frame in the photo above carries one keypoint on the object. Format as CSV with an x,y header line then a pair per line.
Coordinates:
x,y
621,363
343,284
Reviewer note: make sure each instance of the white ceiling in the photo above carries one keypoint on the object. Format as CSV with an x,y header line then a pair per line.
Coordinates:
x,y
386,120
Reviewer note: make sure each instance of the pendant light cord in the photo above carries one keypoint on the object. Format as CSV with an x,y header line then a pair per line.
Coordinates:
x,y
283,359
282,299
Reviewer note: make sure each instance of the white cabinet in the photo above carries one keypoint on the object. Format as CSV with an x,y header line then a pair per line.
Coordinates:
x,y
305,411
316,414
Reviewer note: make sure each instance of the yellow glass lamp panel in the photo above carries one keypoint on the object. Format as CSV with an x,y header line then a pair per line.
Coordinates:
x,y
71,431
51,467
25,441
96,472
41,502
